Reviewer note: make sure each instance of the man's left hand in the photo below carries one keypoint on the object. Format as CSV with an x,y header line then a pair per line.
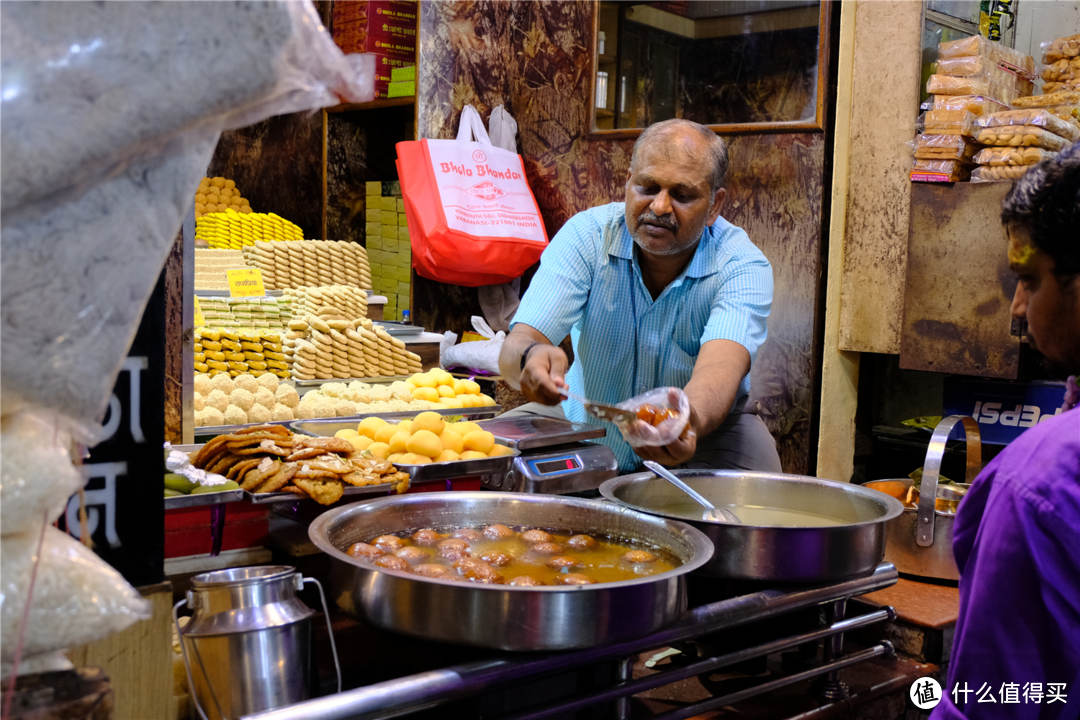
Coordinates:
x,y
676,452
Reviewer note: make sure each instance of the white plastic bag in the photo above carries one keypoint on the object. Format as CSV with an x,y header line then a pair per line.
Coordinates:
x,y
111,114
77,597
500,302
36,472
642,434
480,355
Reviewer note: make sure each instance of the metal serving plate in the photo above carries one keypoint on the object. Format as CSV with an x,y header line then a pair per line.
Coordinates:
x,y
190,501
504,616
351,491
397,329
528,432
380,380
226,429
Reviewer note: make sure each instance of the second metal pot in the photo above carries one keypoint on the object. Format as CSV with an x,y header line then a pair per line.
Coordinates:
x,y
848,549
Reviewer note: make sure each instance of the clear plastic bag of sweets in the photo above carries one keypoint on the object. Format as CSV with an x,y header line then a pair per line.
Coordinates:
x,y
949,122
944,147
1035,117
1012,156
939,171
975,104
1001,173
662,416
977,45
1061,48
1064,97
1021,136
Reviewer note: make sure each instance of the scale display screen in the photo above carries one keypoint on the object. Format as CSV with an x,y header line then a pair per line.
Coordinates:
x,y
554,466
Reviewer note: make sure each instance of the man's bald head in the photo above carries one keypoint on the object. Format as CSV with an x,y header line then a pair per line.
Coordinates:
x,y
671,130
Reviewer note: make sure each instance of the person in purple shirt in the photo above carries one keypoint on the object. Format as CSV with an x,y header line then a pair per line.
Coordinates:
x,y
1016,651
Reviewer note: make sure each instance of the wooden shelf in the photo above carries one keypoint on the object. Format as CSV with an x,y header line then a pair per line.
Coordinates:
x,y
373,105
602,113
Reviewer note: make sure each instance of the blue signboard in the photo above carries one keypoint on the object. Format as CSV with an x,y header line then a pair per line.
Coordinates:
x,y
1003,409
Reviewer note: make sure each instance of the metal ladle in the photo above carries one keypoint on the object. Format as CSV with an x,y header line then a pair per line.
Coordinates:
x,y
712,513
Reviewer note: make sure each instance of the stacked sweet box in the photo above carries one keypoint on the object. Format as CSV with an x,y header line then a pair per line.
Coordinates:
x,y
974,77
389,246
385,28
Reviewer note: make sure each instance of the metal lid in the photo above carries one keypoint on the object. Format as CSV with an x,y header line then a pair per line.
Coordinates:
x,y
241,576
245,599
525,432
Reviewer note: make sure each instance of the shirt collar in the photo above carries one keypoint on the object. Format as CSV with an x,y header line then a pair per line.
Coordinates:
x,y
707,260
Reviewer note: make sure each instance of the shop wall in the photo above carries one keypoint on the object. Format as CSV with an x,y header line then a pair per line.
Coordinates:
x,y
277,165
536,59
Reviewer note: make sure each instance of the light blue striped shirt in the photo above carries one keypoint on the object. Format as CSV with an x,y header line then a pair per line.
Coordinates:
x,y
589,285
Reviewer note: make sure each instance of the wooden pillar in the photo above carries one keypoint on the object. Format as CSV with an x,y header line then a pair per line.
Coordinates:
x,y
840,369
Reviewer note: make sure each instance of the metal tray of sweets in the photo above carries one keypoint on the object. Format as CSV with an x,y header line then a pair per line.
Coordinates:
x,y
202,499
214,430
351,491
379,380
327,427
419,474
349,422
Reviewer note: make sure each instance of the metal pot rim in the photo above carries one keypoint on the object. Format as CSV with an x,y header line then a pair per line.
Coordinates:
x,y
274,572
939,513
701,545
893,507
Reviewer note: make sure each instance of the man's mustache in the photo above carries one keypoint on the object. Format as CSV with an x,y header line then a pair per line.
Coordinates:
x,y
653,219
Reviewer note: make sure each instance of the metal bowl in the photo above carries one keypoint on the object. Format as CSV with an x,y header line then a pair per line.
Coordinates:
x,y
784,553
501,616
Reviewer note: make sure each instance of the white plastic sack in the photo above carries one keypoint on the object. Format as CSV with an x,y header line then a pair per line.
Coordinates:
x,y
642,434
36,472
77,597
479,355
111,114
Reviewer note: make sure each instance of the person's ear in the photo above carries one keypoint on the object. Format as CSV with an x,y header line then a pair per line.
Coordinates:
x,y
717,205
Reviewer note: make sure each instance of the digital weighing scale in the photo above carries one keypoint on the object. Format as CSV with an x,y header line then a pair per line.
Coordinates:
x,y
556,457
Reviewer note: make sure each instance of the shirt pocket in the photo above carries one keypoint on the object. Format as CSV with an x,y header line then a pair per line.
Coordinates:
x,y
678,364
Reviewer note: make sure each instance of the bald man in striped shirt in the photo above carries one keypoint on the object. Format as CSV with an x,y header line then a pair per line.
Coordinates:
x,y
659,291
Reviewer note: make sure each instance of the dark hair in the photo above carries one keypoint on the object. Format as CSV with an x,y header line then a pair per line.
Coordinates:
x,y
1045,202
717,149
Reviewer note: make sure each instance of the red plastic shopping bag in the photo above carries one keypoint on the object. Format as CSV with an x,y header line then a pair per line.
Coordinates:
x,y
472,217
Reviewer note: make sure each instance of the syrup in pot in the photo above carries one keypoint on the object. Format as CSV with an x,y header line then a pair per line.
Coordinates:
x,y
548,561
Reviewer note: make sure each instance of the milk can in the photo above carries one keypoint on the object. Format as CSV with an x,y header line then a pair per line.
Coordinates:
x,y
248,645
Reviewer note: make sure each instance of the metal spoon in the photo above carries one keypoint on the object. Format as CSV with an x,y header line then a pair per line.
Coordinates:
x,y
712,513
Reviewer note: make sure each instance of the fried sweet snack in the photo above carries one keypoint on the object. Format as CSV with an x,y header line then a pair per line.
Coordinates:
x,y
270,458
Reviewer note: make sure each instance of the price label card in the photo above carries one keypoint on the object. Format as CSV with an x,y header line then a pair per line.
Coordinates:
x,y
200,321
245,282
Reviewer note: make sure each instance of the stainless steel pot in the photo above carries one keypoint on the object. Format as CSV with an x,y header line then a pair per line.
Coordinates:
x,y
500,616
778,553
920,539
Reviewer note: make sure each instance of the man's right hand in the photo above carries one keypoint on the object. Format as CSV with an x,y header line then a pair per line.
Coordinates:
x,y
544,373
